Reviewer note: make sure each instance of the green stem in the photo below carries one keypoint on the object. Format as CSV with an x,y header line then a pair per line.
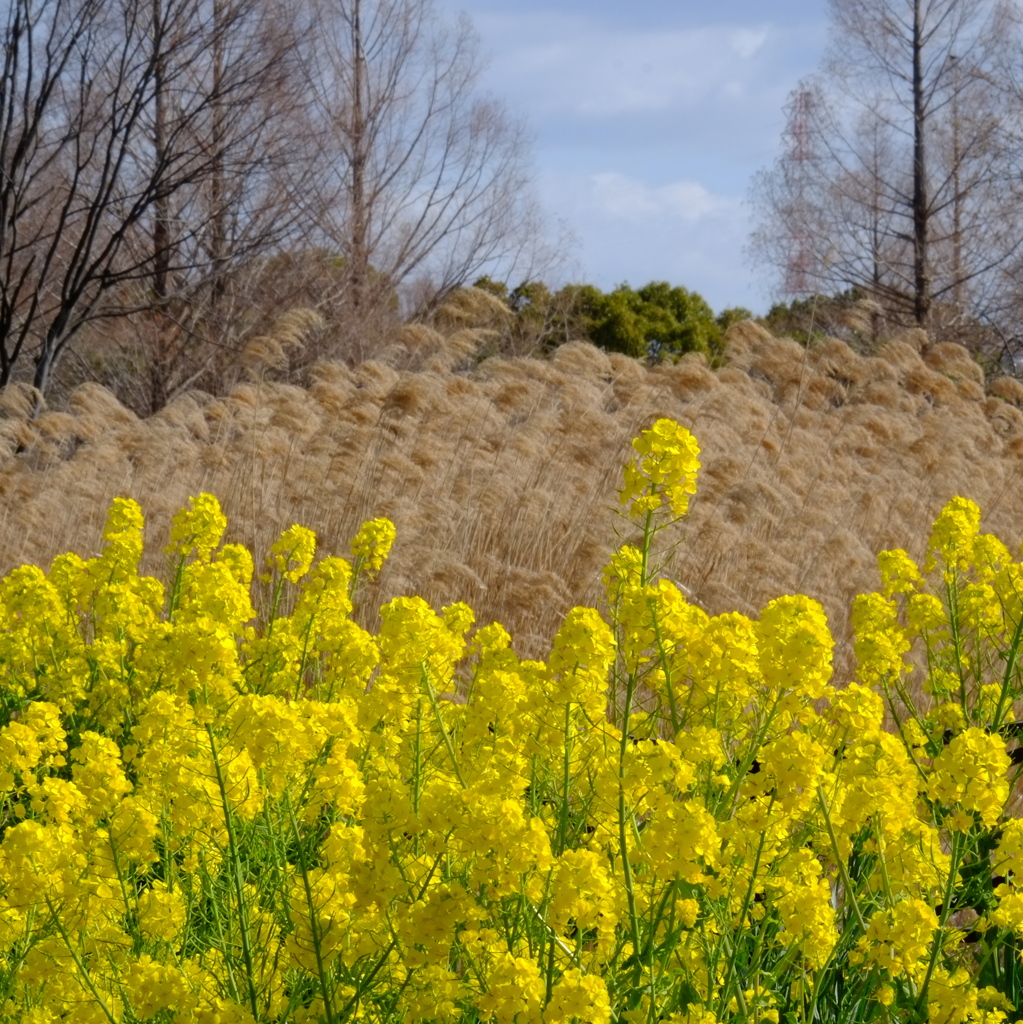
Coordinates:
x,y
566,781
1010,667
79,963
17,953
175,594
443,728
946,910
630,890
275,601
236,874
648,535
304,660
747,900
353,580
843,868
314,924
952,600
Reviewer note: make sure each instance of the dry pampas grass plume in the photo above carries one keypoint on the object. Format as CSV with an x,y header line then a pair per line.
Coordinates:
x,y
457,331
861,315
20,401
468,307
290,332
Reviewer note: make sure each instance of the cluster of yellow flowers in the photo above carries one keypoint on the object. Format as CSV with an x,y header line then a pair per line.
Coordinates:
x,y
212,817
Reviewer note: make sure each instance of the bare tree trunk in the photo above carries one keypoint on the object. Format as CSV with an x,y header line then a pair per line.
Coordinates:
x,y
921,210
358,253
161,216
161,206
958,270
218,185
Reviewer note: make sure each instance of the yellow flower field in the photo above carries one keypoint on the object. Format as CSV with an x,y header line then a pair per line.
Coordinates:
x,y
213,816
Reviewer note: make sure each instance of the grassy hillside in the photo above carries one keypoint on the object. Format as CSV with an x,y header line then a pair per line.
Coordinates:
x,y
502,478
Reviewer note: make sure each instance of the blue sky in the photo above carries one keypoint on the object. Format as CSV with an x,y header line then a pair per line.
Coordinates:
x,y
649,118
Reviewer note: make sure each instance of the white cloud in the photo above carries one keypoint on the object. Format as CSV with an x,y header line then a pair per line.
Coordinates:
x,y
621,197
746,42
588,68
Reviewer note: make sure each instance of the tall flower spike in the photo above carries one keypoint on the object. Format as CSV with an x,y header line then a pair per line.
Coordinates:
x,y
372,544
953,536
292,553
666,467
198,528
122,534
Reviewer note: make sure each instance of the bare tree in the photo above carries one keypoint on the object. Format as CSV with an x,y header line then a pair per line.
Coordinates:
x,y
235,96
159,157
425,179
131,142
911,193
55,250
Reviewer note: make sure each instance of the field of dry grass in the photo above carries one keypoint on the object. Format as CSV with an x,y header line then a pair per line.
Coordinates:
x,y
501,477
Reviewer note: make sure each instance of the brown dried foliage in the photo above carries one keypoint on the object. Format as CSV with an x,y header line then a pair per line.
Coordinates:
x,y
502,478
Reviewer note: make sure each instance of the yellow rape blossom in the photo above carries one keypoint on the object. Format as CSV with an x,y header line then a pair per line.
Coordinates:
x,y
582,892
623,573
795,646
897,940
514,991
980,609
122,535
803,899
1009,912
990,556
161,912
899,573
578,997
971,772
925,614
952,538
669,459
702,744
581,657
1008,856
197,529
433,996
291,554
722,661
372,544
880,642
953,998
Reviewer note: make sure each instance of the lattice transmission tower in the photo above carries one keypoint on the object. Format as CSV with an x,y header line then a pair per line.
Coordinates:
x,y
799,160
